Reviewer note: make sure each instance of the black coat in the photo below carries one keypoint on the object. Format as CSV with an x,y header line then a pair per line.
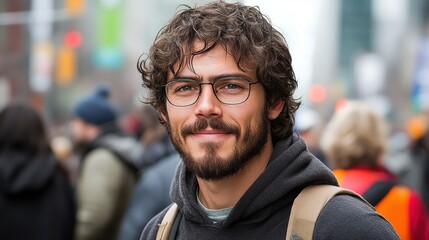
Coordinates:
x,y
36,198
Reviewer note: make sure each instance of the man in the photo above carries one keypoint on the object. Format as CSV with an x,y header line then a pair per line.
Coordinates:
x,y
221,78
108,167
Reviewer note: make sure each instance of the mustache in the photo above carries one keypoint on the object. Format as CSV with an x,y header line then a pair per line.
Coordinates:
x,y
214,123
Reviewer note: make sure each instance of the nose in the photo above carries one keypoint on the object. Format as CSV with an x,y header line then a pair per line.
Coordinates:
x,y
207,105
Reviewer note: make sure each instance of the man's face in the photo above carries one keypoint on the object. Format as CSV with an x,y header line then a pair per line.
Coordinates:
x,y
81,133
216,140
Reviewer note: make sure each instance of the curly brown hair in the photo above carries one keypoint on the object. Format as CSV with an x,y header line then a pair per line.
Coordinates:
x,y
245,33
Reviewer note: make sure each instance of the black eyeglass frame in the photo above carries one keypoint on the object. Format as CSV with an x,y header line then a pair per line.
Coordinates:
x,y
213,89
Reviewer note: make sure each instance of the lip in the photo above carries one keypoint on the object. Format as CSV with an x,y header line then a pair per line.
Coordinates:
x,y
209,134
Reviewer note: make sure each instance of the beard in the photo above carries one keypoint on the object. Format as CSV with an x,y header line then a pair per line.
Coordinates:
x,y
212,166
79,146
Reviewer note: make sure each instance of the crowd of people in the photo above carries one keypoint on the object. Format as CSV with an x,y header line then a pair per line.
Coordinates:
x,y
87,183
231,157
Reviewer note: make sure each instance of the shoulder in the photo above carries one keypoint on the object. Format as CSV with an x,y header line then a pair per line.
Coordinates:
x,y
347,217
103,159
101,163
151,229
99,156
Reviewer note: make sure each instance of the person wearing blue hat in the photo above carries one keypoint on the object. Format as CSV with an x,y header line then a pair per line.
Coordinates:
x,y
96,108
108,166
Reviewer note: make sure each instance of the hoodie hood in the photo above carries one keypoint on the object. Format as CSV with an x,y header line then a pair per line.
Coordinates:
x,y
291,168
25,173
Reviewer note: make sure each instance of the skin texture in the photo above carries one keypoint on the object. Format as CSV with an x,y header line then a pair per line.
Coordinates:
x,y
232,136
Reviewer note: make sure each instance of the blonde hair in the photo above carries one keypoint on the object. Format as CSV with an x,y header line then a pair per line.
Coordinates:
x,y
356,135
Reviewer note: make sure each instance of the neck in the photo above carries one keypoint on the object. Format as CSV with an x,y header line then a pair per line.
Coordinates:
x,y
227,192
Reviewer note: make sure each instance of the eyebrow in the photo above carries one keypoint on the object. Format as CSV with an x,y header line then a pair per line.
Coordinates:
x,y
211,78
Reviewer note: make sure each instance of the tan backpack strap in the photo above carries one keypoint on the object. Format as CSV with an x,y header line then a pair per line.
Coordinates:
x,y
164,228
306,208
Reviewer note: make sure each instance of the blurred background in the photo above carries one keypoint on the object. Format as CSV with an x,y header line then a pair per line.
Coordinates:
x,y
54,51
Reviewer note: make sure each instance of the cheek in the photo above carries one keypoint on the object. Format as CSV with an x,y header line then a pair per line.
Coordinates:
x,y
244,117
176,118
254,121
77,131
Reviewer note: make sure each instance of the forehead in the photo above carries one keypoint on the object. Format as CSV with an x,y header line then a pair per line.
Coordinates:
x,y
217,61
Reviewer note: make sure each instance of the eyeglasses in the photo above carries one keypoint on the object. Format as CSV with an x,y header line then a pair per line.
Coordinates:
x,y
228,90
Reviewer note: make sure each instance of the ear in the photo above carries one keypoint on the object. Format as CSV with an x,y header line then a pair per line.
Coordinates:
x,y
275,109
164,117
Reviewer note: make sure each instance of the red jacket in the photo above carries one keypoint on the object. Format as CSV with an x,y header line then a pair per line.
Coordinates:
x,y
401,206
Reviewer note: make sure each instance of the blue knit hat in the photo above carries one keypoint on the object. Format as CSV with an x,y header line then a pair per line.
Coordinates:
x,y
96,108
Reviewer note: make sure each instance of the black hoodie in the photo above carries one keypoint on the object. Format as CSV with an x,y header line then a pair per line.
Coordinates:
x,y
263,211
36,198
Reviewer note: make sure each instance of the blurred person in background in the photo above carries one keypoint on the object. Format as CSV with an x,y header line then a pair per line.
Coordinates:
x,y
36,198
159,161
133,122
355,142
417,171
108,166
154,139
308,124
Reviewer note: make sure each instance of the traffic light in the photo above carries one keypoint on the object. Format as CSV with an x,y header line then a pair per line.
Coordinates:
x,y
66,57
73,39
66,65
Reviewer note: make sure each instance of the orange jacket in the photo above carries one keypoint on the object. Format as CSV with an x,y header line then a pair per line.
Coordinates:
x,y
401,206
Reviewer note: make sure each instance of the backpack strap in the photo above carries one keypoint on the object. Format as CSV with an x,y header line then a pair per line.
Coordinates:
x,y
307,206
164,228
378,191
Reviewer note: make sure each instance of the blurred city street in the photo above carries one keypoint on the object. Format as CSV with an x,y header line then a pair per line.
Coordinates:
x,y
75,63
54,50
